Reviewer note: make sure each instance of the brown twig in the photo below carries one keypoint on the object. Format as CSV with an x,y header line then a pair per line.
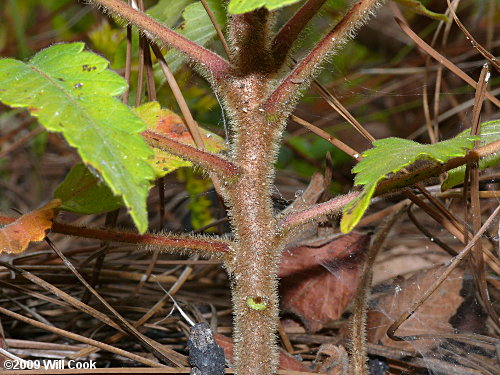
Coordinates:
x,y
21,141
161,352
128,61
441,59
330,138
483,51
477,257
217,28
159,304
336,105
74,336
63,295
430,236
191,124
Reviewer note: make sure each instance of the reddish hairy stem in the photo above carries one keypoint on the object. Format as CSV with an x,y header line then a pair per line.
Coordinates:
x,y
284,39
206,160
204,245
300,76
256,253
153,29
315,212
250,42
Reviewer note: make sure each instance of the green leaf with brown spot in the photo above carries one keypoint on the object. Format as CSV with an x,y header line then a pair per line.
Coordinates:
x,y
72,91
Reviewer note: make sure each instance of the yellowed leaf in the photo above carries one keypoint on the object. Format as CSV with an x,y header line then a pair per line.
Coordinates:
x,y
31,227
167,123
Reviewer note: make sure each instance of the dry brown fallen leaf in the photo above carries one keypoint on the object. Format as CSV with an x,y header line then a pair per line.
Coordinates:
x,y
31,227
287,362
431,317
317,283
403,260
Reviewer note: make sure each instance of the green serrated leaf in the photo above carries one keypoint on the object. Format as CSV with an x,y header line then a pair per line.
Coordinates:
x,y
243,6
419,8
71,91
166,122
197,27
390,155
84,193
490,132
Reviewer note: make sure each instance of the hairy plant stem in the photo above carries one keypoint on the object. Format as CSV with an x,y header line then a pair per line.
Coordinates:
x,y
359,360
255,259
284,39
155,30
206,160
258,113
254,263
285,95
249,40
202,245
